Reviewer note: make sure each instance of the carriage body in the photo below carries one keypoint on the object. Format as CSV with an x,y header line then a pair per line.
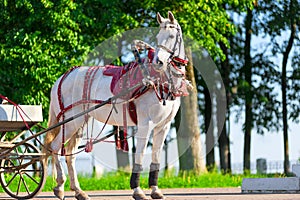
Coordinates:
x,y
22,171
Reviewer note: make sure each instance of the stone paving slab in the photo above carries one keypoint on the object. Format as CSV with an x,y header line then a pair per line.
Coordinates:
x,y
175,194
271,185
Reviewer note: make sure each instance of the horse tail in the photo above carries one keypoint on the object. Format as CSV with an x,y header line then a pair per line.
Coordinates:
x,y
50,135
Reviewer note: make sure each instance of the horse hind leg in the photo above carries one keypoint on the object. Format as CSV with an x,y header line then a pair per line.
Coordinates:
x,y
70,160
60,177
57,170
56,145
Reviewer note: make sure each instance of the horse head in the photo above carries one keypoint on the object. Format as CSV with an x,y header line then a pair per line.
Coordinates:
x,y
170,46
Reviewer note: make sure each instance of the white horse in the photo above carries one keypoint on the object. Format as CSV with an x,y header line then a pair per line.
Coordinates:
x,y
152,112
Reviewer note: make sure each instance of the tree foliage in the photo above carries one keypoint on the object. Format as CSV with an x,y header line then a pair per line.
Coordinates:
x,y
39,41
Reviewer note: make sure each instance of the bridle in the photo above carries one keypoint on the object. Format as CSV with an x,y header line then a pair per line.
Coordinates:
x,y
174,60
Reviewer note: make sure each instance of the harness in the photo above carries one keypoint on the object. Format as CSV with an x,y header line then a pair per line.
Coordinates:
x,y
89,77
174,68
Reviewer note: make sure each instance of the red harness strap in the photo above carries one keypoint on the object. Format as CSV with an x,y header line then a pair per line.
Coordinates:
x,y
86,95
124,143
89,77
61,105
60,100
180,60
88,81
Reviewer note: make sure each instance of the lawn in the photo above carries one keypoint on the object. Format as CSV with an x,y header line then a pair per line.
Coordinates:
x,y
120,180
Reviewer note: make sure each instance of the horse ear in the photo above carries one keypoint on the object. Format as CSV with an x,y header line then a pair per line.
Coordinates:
x,y
171,17
159,18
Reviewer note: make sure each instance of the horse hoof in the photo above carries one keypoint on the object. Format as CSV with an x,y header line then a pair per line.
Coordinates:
x,y
80,195
157,195
59,193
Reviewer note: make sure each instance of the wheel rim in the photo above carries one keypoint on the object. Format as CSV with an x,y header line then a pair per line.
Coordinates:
x,y
23,172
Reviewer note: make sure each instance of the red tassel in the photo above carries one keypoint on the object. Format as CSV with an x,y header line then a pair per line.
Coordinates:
x,y
125,145
89,146
118,144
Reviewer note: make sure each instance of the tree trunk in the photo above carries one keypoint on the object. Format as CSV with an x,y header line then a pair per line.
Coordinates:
x,y
224,140
210,138
188,133
248,93
284,90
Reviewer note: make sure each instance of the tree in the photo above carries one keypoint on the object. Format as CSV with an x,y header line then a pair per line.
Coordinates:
x,y
247,73
188,133
255,76
283,18
292,24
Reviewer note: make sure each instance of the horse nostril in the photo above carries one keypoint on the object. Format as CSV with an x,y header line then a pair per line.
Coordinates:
x,y
160,62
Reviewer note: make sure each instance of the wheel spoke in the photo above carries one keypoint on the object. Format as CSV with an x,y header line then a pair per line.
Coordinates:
x,y
23,153
31,170
18,160
33,179
9,182
24,183
19,185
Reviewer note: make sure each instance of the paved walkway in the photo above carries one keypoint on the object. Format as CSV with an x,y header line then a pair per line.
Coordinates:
x,y
176,194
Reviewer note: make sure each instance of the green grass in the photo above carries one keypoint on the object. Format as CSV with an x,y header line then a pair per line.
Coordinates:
x,y
120,181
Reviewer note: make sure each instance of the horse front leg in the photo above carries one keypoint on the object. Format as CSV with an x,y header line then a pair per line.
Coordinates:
x,y
70,160
159,136
142,137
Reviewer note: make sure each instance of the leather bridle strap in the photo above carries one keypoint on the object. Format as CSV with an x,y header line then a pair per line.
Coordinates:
x,y
166,49
175,59
180,60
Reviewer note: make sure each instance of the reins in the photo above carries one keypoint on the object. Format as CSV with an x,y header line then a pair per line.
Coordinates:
x,y
35,135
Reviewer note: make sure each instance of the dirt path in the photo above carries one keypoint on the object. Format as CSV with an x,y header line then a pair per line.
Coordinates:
x,y
176,194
